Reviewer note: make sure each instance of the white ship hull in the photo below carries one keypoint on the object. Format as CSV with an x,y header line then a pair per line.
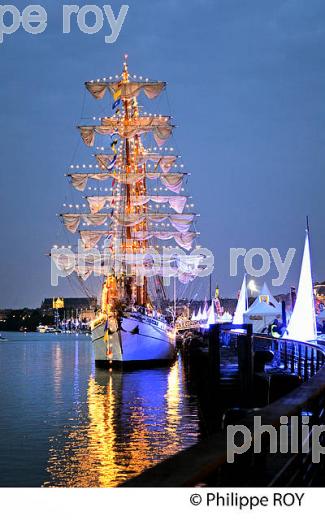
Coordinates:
x,y
141,339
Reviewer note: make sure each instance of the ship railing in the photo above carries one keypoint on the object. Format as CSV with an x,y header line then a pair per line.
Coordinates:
x,y
298,357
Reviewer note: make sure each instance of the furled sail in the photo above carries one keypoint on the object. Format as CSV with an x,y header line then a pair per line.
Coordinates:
x,y
91,238
181,222
164,161
172,181
160,127
130,90
176,202
72,221
184,240
79,180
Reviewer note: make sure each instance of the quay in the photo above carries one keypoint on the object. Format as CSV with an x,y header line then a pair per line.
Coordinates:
x,y
300,381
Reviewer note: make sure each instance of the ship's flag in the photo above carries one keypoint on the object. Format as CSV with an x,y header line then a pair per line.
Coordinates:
x,y
117,99
117,95
112,163
116,104
114,149
106,331
113,146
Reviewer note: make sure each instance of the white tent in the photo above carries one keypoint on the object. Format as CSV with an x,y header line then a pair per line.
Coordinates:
x,y
302,326
265,295
261,314
263,311
227,317
204,315
211,315
199,314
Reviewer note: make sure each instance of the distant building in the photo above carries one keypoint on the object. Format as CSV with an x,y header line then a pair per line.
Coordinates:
x,y
4,313
83,307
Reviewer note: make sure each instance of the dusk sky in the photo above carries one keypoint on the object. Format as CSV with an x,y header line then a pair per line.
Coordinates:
x,y
246,86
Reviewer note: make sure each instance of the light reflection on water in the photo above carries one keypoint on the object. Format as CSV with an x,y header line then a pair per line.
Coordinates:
x,y
86,427
134,419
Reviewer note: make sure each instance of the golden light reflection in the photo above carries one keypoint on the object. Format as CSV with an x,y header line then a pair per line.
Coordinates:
x,y
120,453
173,401
101,433
132,421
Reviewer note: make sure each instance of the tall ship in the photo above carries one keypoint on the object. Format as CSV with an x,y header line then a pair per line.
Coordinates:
x,y
136,203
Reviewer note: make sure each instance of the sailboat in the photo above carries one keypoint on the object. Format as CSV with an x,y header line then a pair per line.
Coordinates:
x,y
132,326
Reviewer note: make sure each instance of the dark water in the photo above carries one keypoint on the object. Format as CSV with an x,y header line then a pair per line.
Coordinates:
x,y
65,423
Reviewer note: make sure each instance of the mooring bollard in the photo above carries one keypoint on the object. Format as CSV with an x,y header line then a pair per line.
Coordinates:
x,y
246,367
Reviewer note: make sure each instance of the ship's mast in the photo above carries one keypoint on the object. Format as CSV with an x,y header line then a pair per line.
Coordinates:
x,y
130,223
132,292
